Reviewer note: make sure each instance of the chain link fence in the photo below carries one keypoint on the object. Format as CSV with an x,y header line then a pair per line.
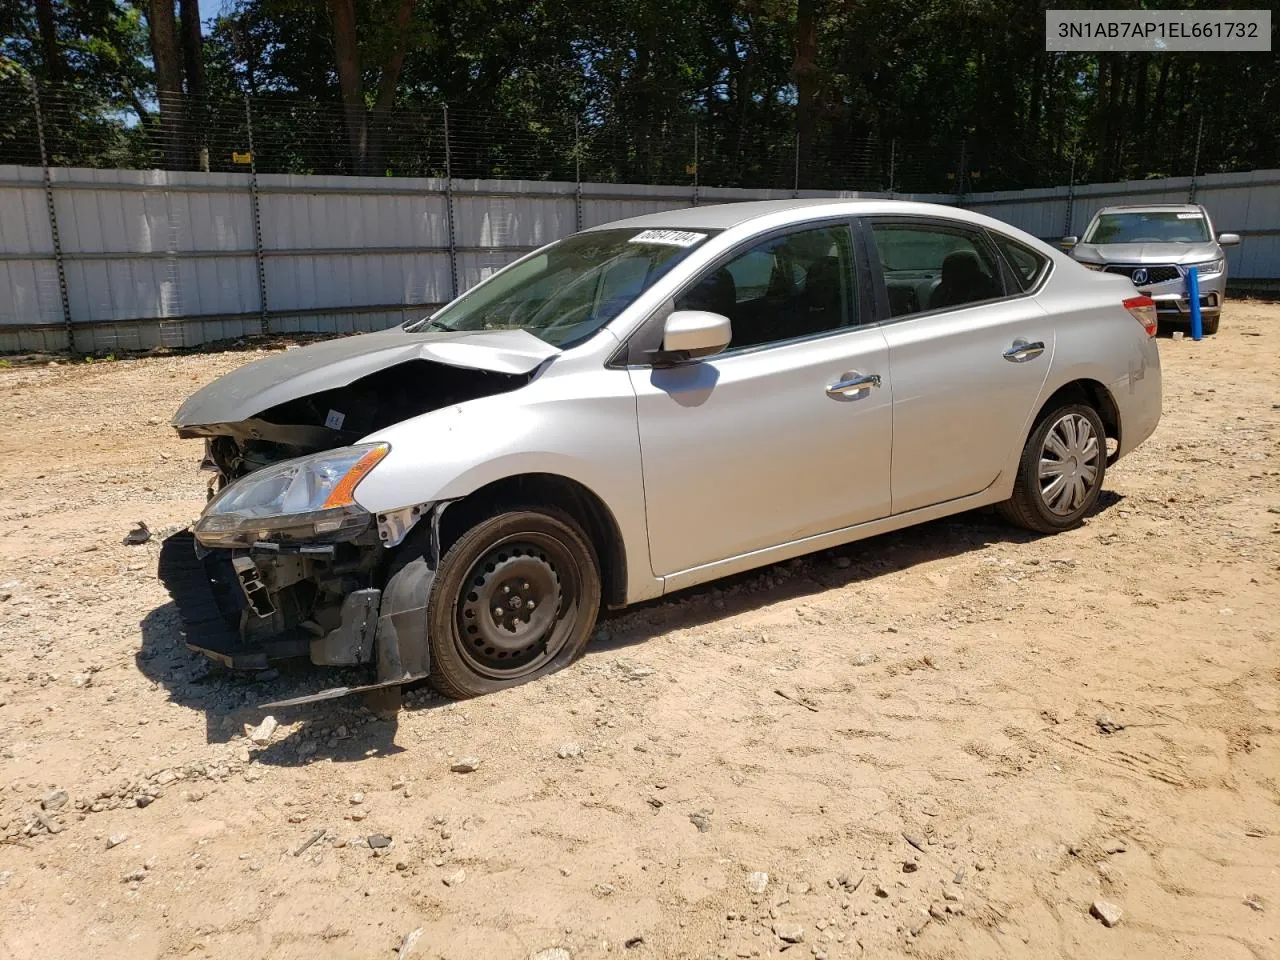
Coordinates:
x,y
291,135
384,220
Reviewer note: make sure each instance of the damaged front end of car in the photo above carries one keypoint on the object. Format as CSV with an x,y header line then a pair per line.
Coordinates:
x,y
284,561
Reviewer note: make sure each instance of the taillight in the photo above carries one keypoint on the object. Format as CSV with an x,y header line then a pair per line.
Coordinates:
x,y
1143,309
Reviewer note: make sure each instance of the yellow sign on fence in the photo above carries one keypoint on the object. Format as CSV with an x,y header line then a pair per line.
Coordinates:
x,y
241,157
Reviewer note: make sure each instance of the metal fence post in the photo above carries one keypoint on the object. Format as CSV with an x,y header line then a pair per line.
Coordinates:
x,y
47,180
577,177
1071,196
695,163
263,324
448,199
1195,164
795,180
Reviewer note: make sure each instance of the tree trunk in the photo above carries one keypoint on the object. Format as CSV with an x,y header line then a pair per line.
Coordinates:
x,y
192,48
804,71
49,51
387,80
168,64
350,83
1158,110
193,64
1119,97
1032,128
1138,114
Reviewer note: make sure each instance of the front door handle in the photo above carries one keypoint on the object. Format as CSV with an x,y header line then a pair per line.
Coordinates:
x,y
1022,351
853,386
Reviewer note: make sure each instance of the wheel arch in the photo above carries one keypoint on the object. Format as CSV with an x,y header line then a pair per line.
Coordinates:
x,y
1095,394
554,490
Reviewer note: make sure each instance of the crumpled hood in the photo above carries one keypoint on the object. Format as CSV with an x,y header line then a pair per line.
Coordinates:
x,y
1152,253
330,364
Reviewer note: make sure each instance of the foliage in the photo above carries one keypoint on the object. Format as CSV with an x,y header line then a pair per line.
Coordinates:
x,y
931,94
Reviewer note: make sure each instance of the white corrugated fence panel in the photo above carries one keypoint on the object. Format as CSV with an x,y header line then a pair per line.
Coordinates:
x,y
175,251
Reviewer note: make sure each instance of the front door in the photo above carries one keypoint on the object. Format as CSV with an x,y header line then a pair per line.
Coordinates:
x,y
969,351
784,435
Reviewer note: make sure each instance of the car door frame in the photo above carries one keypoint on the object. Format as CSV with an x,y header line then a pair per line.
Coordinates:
x,y
635,349
1009,281
634,353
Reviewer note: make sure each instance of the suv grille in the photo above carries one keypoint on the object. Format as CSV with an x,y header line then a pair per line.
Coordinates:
x,y
1160,274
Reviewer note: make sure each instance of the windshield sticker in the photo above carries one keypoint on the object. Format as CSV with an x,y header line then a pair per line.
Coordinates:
x,y
1188,216
671,238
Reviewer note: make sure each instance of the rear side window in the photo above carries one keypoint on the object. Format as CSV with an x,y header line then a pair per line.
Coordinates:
x,y
929,266
1027,264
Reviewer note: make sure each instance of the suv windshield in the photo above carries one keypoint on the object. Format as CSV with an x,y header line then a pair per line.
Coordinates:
x,y
1164,226
570,290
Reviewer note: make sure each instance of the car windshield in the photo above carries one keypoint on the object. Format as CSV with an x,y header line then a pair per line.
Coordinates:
x,y
570,290
1163,226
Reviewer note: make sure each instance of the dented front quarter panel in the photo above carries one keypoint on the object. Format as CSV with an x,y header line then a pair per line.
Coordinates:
x,y
575,420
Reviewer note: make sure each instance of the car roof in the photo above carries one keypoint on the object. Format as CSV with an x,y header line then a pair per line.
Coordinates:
x,y
722,216
1153,208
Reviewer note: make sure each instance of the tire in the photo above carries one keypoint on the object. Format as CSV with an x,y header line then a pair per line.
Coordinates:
x,y
1036,504
514,598
1209,325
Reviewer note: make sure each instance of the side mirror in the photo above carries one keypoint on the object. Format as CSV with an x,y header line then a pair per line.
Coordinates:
x,y
1068,242
1228,239
692,334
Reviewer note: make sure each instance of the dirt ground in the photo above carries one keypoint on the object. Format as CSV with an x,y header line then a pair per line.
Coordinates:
x,y
947,742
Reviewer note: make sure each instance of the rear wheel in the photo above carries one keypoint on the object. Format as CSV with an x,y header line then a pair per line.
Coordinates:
x,y
515,598
1061,471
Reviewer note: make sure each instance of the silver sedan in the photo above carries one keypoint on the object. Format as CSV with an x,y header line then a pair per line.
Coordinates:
x,y
642,407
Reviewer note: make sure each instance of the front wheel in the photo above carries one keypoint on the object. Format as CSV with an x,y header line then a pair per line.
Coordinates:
x,y
515,598
1061,471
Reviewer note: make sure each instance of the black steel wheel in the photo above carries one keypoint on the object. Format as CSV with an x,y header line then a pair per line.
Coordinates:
x,y
515,597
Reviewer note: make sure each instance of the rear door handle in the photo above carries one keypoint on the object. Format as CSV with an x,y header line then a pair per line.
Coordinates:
x,y
1022,351
853,386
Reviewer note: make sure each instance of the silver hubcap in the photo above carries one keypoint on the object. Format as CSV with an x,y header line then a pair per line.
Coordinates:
x,y
1068,464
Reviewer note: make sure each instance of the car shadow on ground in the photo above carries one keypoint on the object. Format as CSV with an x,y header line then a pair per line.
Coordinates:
x,y
816,573
346,729
350,729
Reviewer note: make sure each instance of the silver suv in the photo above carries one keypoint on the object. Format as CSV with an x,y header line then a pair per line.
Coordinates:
x,y
642,407
1153,246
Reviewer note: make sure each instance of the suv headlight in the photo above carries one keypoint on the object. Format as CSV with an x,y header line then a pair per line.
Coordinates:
x,y
304,499
1209,267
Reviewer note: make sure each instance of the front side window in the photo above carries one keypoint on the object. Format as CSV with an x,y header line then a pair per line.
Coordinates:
x,y
573,288
1157,226
790,286
929,267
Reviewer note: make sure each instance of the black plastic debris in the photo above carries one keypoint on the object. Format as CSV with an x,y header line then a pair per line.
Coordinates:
x,y
138,535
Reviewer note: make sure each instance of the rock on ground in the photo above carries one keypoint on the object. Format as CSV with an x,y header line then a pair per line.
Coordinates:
x,y
1106,911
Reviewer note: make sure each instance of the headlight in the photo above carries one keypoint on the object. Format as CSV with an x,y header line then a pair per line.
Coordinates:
x,y
1090,266
303,499
1209,267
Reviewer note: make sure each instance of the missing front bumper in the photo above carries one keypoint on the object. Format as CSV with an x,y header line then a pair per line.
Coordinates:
x,y
216,598
205,591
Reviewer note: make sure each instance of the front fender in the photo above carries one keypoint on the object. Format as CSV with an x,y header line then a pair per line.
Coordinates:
x,y
582,428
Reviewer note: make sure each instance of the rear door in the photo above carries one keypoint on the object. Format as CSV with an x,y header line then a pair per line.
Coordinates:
x,y
969,350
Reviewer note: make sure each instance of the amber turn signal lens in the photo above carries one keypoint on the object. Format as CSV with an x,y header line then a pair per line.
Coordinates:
x,y
344,493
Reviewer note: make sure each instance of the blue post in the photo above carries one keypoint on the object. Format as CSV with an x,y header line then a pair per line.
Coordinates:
x,y
1193,294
